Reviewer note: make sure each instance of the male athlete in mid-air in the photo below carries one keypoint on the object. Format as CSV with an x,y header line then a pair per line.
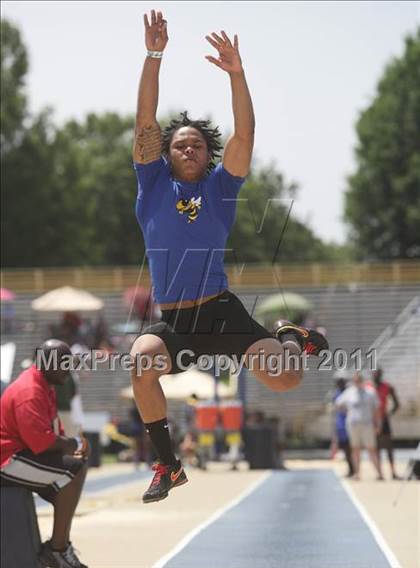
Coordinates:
x,y
186,208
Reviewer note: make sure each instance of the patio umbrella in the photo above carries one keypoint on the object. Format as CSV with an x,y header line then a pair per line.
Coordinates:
x,y
67,299
6,295
286,305
181,386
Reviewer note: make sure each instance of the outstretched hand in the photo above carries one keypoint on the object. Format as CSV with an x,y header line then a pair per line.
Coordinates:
x,y
156,31
229,59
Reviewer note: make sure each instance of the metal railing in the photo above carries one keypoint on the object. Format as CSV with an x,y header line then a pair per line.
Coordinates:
x,y
110,279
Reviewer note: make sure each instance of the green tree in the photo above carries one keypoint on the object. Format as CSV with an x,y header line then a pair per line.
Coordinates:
x,y
14,65
99,168
68,194
382,202
44,213
265,229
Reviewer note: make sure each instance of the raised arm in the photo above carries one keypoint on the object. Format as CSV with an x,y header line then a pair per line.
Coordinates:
x,y
238,151
147,138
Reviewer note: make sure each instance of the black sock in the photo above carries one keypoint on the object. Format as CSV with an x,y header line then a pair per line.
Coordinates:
x,y
159,435
292,338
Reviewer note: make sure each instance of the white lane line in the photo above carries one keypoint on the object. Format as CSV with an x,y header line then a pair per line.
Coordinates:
x,y
188,538
377,535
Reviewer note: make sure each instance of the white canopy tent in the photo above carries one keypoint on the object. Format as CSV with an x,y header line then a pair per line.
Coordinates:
x,y
67,299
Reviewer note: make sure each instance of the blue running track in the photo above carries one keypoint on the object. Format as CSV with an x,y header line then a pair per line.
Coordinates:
x,y
300,519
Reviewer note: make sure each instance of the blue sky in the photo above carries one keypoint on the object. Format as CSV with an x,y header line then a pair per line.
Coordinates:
x,y
311,66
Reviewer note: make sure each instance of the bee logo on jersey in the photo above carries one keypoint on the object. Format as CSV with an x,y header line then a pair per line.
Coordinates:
x,y
189,206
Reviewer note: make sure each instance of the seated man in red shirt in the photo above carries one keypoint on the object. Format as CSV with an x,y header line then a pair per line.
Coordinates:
x,y
36,455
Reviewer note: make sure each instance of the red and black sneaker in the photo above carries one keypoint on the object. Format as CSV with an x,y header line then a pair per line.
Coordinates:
x,y
166,478
311,340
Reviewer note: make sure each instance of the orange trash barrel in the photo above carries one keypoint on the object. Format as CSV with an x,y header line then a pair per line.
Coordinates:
x,y
206,416
231,413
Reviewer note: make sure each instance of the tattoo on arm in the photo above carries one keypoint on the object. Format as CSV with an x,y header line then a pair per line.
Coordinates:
x,y
147,144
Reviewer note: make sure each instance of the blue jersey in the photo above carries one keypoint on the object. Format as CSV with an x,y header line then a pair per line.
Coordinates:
x,y
185,227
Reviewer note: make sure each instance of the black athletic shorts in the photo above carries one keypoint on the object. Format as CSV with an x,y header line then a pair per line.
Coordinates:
x,y
386,427
221,326
46,473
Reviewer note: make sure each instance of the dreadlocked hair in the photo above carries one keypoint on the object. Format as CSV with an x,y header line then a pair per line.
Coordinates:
x,y
210,135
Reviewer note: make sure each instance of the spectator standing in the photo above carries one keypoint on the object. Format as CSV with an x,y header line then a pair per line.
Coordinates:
x,y
385,392
362,421
340,435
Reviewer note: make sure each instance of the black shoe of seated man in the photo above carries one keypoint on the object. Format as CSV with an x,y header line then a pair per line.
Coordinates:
x,y
166,478
311,341
50,558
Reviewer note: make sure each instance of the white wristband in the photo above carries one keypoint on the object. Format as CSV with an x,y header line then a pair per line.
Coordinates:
x,y
155,54
79,443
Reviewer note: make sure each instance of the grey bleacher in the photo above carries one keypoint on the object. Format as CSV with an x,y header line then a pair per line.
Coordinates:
x,y
353,316
399,357
100,390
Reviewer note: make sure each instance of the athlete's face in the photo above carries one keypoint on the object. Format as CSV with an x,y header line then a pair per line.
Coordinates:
x,y
188,154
